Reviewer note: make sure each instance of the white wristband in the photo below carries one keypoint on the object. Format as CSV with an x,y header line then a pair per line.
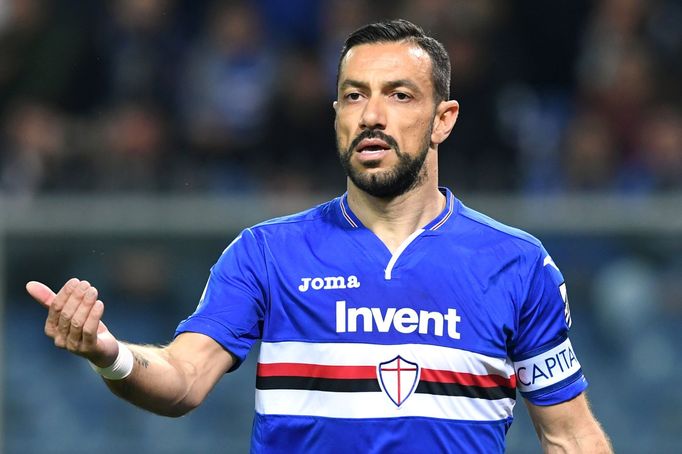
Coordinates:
x,y
122,366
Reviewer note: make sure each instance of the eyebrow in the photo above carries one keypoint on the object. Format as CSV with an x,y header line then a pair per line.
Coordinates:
x,y
352,83
403,83
390,85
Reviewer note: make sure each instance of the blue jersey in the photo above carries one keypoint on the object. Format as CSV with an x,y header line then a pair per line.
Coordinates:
x,y
364,350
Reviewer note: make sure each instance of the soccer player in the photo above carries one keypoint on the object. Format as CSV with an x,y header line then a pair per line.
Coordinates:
x,y
392,318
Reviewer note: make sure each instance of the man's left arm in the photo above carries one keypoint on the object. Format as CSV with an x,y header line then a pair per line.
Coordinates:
x,y
569,427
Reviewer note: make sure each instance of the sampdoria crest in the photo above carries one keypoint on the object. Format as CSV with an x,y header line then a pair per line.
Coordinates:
x,y
398,378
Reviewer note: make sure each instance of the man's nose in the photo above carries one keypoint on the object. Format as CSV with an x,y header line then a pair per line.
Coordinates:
x,y
374,114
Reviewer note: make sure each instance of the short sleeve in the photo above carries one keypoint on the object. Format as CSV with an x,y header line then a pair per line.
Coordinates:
x,y
547,369
232,307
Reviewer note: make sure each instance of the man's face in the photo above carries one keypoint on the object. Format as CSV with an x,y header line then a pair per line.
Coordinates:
x,y
384,116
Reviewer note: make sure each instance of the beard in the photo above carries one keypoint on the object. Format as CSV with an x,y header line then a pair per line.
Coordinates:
x,y
407,174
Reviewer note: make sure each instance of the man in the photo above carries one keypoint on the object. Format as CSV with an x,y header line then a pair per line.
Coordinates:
x,y
392,319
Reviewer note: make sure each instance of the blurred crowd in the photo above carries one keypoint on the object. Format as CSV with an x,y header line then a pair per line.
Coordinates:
x,y
216,96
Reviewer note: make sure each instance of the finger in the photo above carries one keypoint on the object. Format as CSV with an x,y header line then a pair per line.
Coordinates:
x,y
70,307
92,324
64,293
74,339
56,304
40,292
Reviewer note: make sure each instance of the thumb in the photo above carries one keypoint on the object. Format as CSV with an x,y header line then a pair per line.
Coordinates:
x,y
40,292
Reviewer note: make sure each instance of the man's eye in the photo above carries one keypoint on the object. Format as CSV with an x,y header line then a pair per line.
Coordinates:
x,y
353,96
401,96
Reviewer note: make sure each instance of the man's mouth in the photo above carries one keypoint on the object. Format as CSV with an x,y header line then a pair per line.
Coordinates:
x,y
372,146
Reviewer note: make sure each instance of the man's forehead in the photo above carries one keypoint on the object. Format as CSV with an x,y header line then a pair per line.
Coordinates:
x,y
403,55
387,47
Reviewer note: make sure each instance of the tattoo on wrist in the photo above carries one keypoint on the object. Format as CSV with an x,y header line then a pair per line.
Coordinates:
x,y
141,360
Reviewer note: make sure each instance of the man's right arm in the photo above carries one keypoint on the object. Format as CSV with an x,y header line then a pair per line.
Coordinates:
x,y
170,380
174,379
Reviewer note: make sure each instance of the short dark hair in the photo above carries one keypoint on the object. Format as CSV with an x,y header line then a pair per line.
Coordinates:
x,y
403,30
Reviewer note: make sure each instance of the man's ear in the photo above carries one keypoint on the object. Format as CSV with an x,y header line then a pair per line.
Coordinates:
x,y
335,105
444,121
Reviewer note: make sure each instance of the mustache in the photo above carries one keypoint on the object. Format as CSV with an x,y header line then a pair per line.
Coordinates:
x,y
373,134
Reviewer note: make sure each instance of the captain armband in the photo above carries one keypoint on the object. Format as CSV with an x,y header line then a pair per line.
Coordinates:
x,y
540,373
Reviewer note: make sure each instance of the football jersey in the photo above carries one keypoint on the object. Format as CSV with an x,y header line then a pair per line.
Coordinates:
x,y
364,350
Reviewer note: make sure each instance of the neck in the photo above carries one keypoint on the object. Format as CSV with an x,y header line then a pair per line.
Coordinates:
x,y
395,219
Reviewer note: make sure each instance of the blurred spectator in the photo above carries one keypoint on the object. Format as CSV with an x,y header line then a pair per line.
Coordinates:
x,y
44,53
453,18
467,30
665,38
622,93
4,14
656,164
291,24
301,153
339,19
590,154
134,143
23,24
616,68
31,149
227,90
143,47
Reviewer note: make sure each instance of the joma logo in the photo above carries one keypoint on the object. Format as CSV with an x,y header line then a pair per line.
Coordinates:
x,y
328,283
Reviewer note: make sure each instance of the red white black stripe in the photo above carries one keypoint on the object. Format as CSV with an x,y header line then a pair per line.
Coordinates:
x,y
368,380
317,377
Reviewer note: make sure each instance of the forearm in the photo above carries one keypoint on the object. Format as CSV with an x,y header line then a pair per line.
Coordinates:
x,y
159,382
591,439
569,427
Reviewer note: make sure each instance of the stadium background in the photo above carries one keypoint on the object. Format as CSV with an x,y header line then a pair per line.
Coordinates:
x,y
138,137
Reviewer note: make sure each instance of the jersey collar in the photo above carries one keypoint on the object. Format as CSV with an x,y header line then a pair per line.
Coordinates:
x,y
351,221
348,216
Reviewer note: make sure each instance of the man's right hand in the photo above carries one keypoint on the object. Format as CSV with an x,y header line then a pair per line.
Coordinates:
x,y
74,320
